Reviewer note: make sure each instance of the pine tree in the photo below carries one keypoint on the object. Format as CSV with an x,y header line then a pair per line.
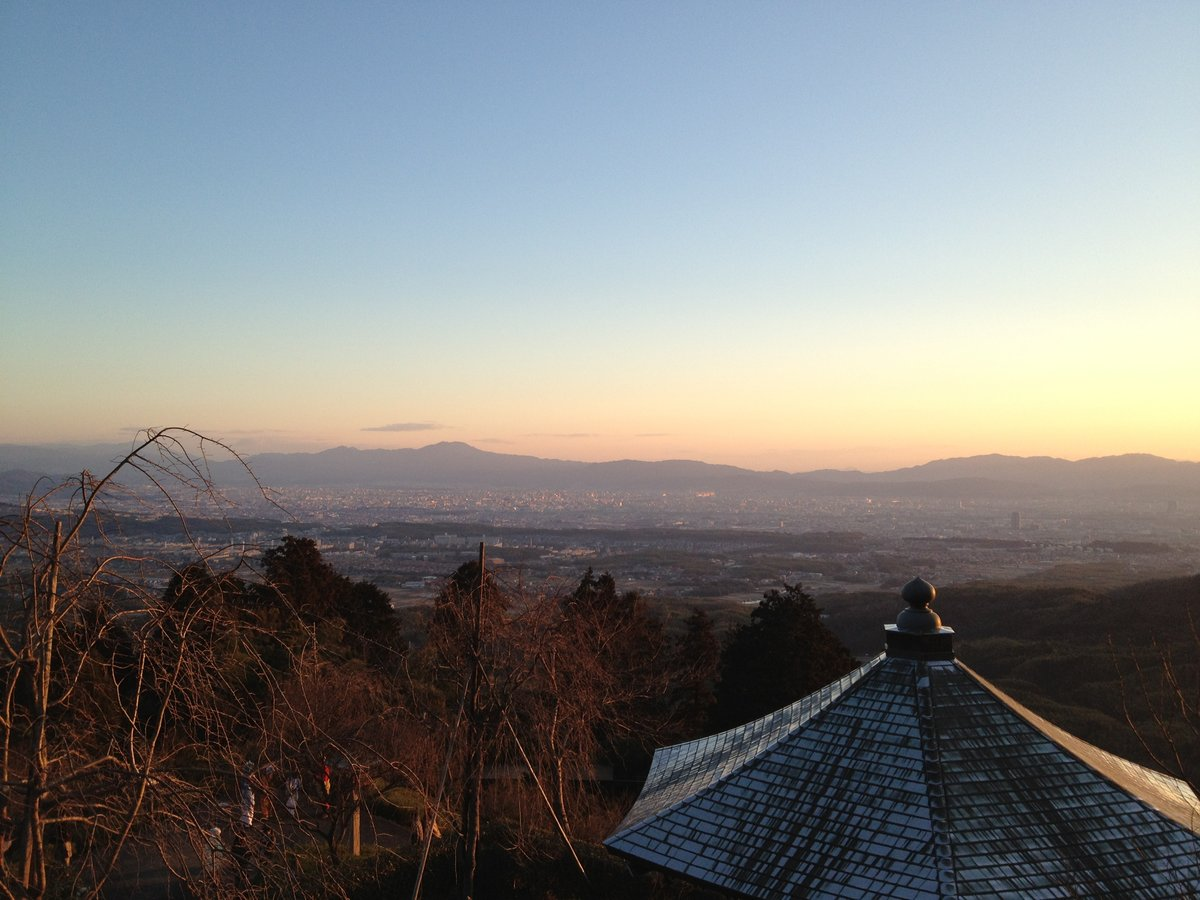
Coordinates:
x,y
784,653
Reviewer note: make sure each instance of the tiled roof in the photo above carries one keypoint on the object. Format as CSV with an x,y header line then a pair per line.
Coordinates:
x,y
912,778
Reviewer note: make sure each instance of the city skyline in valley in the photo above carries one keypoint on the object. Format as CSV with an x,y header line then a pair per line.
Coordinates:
x,y
788,236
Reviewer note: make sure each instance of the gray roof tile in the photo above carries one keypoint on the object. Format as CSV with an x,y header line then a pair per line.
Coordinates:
x,y
912,778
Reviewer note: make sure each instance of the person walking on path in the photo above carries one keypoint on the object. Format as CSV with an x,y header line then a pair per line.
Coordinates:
x,y
246,794
292,801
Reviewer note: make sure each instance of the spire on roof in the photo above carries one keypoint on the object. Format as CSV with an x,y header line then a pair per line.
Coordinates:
x,y
918,618
918,632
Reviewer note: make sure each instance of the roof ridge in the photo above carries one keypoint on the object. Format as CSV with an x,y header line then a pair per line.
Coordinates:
x,y
1163,793
939,809
756,748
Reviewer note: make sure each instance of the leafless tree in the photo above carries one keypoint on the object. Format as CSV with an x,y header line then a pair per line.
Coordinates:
x,y
1160,695
125,718
600,674
539,686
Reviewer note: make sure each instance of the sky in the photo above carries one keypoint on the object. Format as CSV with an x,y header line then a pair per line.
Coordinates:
x,y
777,235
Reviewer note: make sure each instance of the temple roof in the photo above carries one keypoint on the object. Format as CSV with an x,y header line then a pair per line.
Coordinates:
x,y
912,777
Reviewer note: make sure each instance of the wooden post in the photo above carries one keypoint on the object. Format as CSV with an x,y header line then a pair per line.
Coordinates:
x,y
472,818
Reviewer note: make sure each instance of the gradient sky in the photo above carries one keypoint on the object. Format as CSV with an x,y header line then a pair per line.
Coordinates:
x,y
779,235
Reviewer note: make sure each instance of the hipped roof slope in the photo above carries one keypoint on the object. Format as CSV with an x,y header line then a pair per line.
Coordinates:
x,y
912,778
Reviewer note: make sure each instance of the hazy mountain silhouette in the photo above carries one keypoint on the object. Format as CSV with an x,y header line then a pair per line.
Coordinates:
x,y
451,465
57,459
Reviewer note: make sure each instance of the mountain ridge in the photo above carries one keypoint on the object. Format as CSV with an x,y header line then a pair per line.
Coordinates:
x,y
455,464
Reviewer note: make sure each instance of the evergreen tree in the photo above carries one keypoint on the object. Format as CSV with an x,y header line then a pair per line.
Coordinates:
x,y
355,615
695,665
297,572
782,654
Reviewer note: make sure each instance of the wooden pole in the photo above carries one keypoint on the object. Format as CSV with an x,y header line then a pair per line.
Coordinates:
x,y
356,829
472,817
437,802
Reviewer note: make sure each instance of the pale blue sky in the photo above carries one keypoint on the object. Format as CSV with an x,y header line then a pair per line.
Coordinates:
x,y
786,235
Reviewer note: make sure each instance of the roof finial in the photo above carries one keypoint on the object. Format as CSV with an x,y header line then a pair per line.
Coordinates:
x,y
918,618
918,632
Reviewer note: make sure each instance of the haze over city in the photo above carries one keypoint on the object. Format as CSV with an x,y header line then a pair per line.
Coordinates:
x,y
783,236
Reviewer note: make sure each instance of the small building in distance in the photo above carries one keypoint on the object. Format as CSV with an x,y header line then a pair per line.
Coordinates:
x,y
912,777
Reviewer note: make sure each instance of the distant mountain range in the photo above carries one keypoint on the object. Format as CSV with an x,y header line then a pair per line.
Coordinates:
x,y
451,465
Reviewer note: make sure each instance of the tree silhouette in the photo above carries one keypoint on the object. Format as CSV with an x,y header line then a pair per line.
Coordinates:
x,y
354,616
782,654
695,664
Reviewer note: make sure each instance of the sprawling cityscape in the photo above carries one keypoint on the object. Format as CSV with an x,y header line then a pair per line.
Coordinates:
x,y
689,546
